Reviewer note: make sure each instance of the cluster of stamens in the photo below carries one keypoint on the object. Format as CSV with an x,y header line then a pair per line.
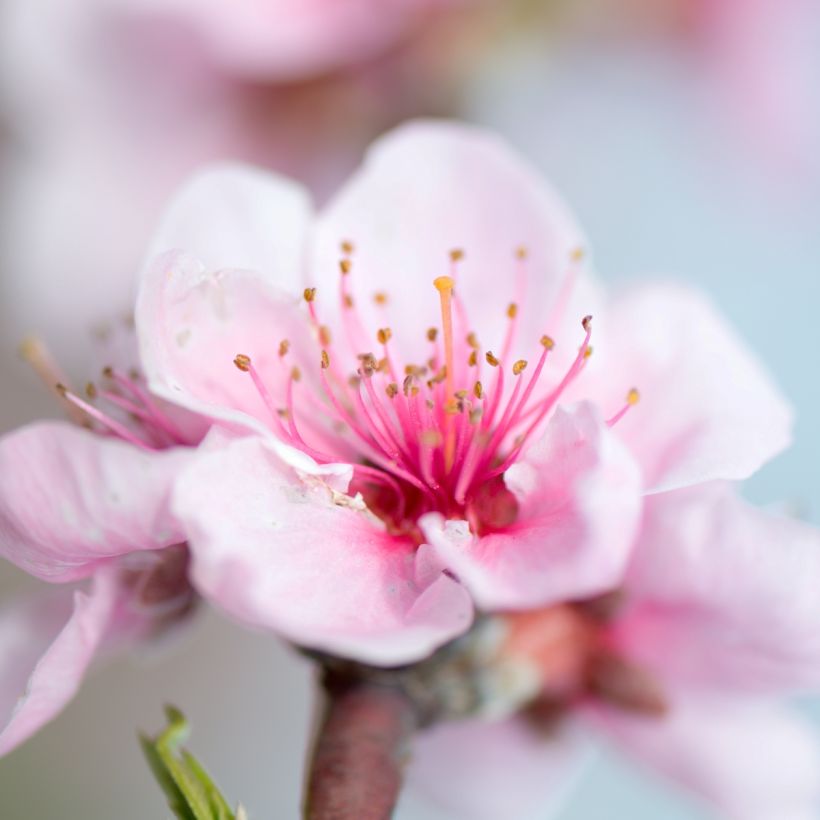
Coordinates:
x,y
429,436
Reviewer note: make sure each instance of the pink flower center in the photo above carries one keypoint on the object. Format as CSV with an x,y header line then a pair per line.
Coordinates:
x,y
430,436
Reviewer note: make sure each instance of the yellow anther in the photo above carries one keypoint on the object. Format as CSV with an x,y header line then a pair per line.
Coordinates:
x,y
588,353
577,254
472,361
380,297
243,362
472,340
444,284
491,360
91,390
344,266
384,335
392,390
461,394
519,367
284,347
521,252
309,294
432,334
478,390
347,246
633,397
456,255
547,342
512,310
325,360
295,374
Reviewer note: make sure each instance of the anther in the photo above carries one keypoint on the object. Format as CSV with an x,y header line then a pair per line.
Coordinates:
x,y
347,246
472,360
456,255
478,390
588,353
633,397
344,266
578,254
324,335
547,342
325,360
243,362
347,299
284,347
384,335
295,374
91,390
519,367
512,310
491,360
472,340
392,390
108,372
432,334
309,294
586,322
380,297
61,389
521,252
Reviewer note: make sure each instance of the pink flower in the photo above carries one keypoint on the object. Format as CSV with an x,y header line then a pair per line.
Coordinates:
x,y
717,618
415,442
88,509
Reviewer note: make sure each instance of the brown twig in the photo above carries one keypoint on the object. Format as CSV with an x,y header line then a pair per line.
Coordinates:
x,y
357,761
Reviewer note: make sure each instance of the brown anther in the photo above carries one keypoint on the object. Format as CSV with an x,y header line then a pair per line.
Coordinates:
x,y
384,335
324,335
491,360
284,347
586,322
461,394
521,252
472,340
295,374
519,367
512,310
407,384
380,297
432,334
348,300
347,246
283,413
456,255
108,372
344,266
243,362
392,390
547,342
478,390
91,390
133,374
325,360
309,294
472,359
633,397
61,389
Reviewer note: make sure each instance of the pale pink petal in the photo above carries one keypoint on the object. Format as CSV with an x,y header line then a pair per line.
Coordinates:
x,y
748,761
733,588
47,645
428,188
477,770
309,562
71,499
192,322
708,409
236,216
580,498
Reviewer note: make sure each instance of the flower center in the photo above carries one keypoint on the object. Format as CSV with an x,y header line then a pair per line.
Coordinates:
x,y
436,435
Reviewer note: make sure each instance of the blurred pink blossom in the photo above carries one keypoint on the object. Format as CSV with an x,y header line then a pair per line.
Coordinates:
x,y
682,669
394,467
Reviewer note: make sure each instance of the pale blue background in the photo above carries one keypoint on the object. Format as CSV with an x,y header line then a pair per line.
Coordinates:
x,y
660,189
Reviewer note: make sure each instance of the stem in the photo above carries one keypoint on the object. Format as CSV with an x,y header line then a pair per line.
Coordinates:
x,y
356,770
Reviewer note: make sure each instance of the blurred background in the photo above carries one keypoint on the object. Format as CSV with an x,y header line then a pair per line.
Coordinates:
x,y
684,133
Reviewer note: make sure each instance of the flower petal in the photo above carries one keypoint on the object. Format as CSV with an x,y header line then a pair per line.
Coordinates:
x,y
708,409
731,587
580,498
309,562
426,189
71,499
47,645
478,770
751,761
236,216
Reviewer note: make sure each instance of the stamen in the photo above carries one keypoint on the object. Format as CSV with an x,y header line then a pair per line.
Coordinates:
x,y
35,353
444,285
632,398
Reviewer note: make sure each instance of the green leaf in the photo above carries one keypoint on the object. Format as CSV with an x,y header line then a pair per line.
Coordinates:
x,y
189,789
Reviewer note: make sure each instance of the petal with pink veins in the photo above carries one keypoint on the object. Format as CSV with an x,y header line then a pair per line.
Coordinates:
x,y
477,770
732,588
47,644
309,562
747,760
579,495
708,409
429,188
71,500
